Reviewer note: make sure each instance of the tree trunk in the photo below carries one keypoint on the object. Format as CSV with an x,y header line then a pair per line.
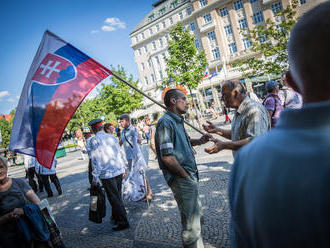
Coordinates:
x,y
199,118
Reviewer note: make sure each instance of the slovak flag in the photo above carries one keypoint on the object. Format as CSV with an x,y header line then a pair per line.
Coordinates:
x,y
59,79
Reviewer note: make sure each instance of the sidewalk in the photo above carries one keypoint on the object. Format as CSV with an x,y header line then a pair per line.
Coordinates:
x,y
159,226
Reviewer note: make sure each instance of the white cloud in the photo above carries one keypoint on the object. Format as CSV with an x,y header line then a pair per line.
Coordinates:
x,y
11,100
112,24
4,93
94,31
17,96
108,28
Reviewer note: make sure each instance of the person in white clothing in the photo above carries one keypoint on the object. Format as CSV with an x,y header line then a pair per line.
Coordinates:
x,y
29,165
47,174
108,166
136,185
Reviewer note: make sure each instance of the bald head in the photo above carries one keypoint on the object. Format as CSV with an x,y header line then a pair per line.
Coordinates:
x,y
309,53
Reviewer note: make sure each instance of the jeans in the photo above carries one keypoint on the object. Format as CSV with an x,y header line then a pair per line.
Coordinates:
x,y
185,191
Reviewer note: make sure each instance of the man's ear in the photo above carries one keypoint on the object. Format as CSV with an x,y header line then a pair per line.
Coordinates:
x,y
173,101
291,82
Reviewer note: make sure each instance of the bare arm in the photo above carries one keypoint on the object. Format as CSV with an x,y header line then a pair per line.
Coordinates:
x,y
202,140
174,167
32,197
211,128
230,145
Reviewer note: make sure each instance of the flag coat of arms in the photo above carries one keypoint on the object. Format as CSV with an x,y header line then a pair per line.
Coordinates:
x,y
59,79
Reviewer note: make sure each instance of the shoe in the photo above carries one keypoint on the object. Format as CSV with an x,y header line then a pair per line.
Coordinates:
x,y
120,227
60,193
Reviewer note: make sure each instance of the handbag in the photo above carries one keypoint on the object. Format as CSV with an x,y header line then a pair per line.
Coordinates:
x,y
97,207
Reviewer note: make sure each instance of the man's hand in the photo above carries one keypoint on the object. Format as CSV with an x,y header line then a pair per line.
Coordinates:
x,y
16,213
217,147
95,184
205,138
210,128
123,175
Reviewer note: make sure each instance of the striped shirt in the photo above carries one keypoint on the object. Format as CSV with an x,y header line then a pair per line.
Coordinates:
x,y
251,119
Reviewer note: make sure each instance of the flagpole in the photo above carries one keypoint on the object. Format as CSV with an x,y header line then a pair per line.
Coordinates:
x,y
154,101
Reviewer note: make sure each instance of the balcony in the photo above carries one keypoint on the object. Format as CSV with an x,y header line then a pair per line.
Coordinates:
x,y
207,27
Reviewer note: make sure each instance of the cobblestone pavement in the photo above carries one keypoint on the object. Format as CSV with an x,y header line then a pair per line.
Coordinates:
x,y
157,226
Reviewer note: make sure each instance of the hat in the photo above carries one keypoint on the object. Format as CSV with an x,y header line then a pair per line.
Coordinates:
x,y
270,85
95,123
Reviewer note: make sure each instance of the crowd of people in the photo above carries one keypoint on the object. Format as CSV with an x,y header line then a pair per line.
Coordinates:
x,y
279,180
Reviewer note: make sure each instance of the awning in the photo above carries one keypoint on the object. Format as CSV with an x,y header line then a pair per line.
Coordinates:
x,y
154,108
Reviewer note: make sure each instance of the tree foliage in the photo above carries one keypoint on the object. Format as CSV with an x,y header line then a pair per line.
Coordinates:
x,y
117,97
111,101
5,127
185,65
269,44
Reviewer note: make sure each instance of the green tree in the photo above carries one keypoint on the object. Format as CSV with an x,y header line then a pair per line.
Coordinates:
x,y
88,110
269,44
185,65
5,127
111,101
117,97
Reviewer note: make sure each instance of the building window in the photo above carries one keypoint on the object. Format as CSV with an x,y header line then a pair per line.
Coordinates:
x,y
223,12
142,65
150,31
149,64
188,11
160,42
164,56
253,1
151,17
180,15
243,24
145,49
192,26
303,1
166,37
153,77
157,27
258,17
238,5
228,29
203,2
197,45
140,51
171,20
157,60
216,53
142,34
136,39
161,74
211,36
162,11
146,80
276,7
174,3
154,45
164,24
232,48
207,18
247,43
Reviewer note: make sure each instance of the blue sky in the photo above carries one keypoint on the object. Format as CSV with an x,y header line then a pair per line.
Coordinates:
x,y
100,28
